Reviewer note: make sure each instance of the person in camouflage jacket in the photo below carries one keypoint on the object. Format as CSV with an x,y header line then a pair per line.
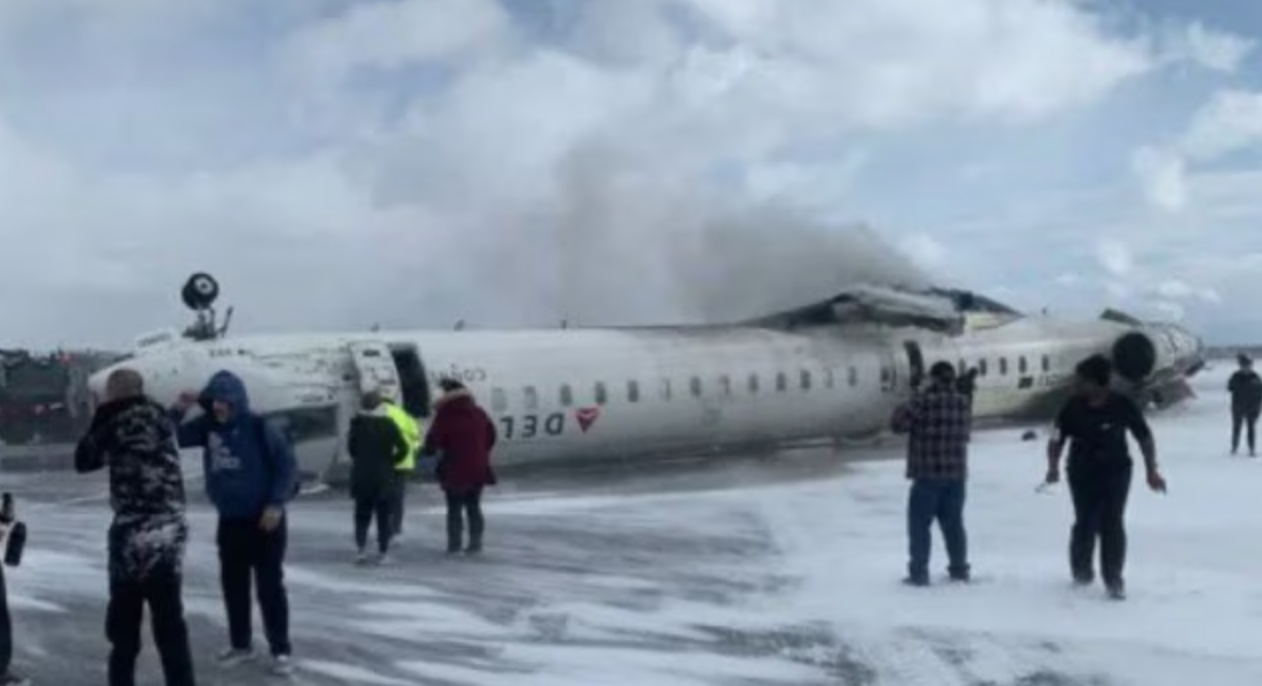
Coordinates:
x,y
135,438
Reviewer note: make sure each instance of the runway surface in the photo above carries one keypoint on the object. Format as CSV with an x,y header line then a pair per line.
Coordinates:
x,y
758,572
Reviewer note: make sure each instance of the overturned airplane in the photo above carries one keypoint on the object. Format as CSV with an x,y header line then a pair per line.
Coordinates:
x,y
826,372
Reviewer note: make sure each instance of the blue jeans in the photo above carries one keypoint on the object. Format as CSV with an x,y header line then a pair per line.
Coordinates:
x,y
943,500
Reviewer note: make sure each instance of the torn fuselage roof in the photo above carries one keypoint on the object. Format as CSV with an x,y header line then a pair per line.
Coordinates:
x,y
941,310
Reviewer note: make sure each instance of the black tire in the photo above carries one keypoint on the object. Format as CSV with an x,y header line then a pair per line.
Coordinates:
x,y
200,291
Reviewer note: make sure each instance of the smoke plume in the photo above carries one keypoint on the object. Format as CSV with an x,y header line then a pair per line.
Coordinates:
x,y
619,239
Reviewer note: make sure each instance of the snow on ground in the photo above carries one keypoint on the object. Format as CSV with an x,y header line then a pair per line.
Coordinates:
x,y
728,575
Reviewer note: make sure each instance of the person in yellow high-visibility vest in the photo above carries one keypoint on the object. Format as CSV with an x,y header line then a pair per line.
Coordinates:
x,y
411,429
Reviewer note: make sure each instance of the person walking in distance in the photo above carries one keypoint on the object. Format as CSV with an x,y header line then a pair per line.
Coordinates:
x,y
937,421
464,435
250,477
135,438
1245,387
1095,422
376,446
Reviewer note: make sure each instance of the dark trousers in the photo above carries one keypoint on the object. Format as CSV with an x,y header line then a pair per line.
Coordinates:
x,y
6,627
460,505
162,591
383,510
396,505
1242,417
246,551
941,500
1099,495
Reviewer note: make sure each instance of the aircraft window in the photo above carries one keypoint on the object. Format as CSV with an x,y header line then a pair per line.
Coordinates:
x,y
499,401
829,381
1022,367
981,367
530,398
1047,364
886,375
567,395
1003,366
602,396
852,376
725,384
664,389
695,385
962,368
782,382
633,392
804,380
753,383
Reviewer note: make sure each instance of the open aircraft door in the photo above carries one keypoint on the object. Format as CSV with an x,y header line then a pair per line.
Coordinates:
x,y
375,370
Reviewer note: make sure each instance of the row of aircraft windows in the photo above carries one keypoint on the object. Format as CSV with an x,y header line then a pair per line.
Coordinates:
x,y
530,395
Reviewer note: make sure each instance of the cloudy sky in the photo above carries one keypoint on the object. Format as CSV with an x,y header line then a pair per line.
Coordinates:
x,y
414,162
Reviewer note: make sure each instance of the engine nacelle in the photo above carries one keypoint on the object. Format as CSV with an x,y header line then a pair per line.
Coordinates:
x,y
1156,353
1135,356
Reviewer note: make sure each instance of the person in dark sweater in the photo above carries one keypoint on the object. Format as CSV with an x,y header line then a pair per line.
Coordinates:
x,y
1245,387
1095,422
377,447
938,423
463,436
250,476
133,436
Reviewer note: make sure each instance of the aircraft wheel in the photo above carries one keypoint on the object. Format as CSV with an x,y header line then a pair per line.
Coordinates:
x,y
200,291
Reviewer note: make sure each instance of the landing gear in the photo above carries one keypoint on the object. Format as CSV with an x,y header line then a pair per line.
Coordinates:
x,y
199,295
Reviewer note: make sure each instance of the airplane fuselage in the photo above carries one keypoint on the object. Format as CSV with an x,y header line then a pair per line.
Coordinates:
x,y
592,394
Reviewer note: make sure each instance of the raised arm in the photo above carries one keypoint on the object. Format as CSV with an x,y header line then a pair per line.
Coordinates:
x,y
90,453
190,434
905,416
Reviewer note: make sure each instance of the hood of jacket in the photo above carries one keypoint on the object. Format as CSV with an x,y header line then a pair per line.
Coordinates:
x,y
226,387
455,399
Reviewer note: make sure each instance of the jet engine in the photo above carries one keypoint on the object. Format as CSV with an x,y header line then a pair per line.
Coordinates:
x,y
1156,359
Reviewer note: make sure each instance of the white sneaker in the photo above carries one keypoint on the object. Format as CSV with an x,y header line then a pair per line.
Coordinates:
x,y
230,656
382,559
282,665
361,558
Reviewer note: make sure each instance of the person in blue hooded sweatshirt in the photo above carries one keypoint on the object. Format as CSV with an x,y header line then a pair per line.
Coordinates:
x,y
250,476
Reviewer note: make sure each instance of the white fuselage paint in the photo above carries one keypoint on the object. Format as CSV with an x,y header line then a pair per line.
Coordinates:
x,y
589,394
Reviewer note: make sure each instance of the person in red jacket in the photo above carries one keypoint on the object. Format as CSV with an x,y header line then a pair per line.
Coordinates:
x,y
462,435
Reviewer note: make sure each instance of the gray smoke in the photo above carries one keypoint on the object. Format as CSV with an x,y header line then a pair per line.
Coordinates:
x,y
624,241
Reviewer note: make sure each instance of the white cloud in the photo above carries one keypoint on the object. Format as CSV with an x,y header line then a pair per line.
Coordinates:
x,y
1115,257
1230,121
411,162
393,34
1212,49
1161,176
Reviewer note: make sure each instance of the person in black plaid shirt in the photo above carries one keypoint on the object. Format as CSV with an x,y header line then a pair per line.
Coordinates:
x,y
938,421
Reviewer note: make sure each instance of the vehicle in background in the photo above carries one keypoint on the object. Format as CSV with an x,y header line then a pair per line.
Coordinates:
x,y
44,397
